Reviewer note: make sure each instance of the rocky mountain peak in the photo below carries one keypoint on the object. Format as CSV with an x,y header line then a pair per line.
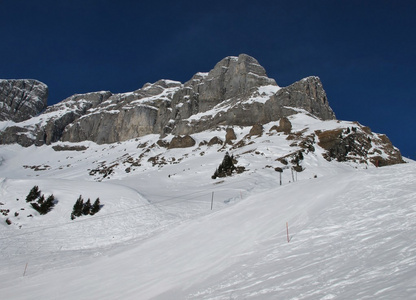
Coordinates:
x,y
232,77
240,65
236,91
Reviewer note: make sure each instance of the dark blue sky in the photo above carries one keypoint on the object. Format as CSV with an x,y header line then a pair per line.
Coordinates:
x,y
363,51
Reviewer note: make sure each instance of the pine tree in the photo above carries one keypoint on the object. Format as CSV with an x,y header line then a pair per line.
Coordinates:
x,y
36,206
42,206
48,204
41,199
77,209
225,168
33,194
95,208
86,209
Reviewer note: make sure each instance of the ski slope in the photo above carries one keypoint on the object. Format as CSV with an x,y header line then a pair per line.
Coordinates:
x,y
352,229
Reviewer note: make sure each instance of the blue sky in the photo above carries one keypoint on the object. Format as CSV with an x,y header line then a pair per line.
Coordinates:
x,y
363,51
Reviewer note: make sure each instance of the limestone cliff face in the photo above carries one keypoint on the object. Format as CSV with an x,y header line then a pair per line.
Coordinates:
x,y
125,116
232,77
21,99
236,91
260,105
307,94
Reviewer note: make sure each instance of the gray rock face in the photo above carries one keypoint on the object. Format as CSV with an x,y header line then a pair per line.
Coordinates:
x,y
236,91
21,99
232,77
125,116
307,94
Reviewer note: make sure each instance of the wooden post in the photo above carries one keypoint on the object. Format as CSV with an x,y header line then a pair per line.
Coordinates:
x,y
24,273
280,170
287,232
212,200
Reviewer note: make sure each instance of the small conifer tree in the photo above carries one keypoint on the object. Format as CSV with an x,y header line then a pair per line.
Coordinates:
x,y
41,199
225,168
43,206
95,207
86,209
33,194
36,206
77,209
48,204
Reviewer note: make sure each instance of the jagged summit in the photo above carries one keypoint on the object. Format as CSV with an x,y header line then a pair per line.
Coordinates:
x,y
230,78
236,91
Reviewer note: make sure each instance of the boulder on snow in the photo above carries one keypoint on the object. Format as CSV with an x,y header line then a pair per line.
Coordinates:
x,y
284,126
230,135
182,142
215,141
257,129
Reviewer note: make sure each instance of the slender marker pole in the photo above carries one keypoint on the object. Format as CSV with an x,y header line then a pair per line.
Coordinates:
x,y
287,232
212,200
24,273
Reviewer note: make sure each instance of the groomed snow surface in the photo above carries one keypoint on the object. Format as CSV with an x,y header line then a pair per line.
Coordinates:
x,y
352,231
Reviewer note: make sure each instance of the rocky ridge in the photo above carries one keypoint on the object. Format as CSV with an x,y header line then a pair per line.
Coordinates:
x,y
21,99
236,91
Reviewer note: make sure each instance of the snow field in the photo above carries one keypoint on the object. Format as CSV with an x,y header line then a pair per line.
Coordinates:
x,y
352,227
352,236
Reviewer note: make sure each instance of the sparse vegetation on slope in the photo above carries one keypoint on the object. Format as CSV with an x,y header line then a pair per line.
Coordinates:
x,y
80,208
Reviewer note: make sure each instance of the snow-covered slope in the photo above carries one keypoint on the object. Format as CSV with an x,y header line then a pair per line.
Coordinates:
x,y
351,225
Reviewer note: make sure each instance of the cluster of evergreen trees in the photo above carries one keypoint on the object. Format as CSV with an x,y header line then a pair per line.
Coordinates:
x,y
80,208
38,201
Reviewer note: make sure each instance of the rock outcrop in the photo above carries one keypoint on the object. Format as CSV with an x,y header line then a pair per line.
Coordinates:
x,y
358,144
22,99
50,125
284,126
182,142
